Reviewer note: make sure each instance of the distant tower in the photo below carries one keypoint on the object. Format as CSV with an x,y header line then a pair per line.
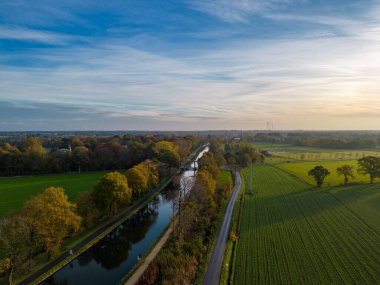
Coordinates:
x,y
69,147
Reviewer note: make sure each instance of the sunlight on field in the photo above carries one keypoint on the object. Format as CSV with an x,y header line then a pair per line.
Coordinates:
x,y
301,169
294,234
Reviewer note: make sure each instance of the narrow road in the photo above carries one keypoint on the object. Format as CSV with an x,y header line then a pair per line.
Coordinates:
x,y
216,261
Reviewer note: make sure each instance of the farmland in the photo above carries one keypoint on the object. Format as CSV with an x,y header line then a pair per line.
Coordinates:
x,y
14,191
285,152
301,169
291,233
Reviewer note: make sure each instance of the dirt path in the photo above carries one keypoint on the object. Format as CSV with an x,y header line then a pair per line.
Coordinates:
x,y
145,263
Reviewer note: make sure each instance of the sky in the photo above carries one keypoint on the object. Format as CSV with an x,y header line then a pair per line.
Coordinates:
x,y
189,64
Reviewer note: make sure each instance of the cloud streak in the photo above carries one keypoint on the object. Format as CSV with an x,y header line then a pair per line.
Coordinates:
x,y
238,10
25,34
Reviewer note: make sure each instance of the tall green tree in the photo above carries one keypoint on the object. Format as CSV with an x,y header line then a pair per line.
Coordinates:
x,y
369,165
111,193
319,173
347,171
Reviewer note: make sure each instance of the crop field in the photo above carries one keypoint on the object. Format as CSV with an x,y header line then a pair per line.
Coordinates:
x,y
293,234
14,191
301,169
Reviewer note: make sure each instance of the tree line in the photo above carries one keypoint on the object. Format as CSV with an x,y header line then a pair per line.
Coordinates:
x,y
46,155
236,152
49,218
322,140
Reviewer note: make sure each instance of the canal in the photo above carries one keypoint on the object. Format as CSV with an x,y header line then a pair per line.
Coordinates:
x,y
113,257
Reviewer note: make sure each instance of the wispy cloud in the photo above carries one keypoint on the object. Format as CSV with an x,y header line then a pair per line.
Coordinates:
x,y
25,34
236,10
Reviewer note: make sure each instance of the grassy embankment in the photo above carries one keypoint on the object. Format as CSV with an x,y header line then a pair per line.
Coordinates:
x,y
291,233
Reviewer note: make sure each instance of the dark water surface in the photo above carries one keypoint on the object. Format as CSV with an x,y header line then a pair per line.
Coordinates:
x,y
108,261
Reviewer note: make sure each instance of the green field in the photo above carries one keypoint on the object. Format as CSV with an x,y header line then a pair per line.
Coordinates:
x,y
14,191
301,169
225,176
285,152
293,234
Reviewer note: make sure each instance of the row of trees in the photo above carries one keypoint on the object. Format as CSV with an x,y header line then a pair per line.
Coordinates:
x,y
36,156
369,165
178,261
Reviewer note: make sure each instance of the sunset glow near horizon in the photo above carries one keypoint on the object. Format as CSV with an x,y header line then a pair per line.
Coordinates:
x,y
186,65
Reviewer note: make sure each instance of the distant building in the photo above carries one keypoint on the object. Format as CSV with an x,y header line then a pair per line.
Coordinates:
x,y
65,149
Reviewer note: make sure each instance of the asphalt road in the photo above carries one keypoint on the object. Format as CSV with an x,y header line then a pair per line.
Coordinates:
x,y
214,267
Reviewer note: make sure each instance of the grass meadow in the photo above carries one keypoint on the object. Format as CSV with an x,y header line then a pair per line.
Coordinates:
x,y
16,190
301,169
292,233
288,153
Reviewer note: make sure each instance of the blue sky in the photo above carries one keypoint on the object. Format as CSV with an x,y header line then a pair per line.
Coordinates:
x,y
184,65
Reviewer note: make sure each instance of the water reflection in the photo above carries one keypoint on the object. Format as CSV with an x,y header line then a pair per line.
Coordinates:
x,y
108,261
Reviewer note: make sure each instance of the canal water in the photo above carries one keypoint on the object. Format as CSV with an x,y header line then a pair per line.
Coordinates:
x,y
109,260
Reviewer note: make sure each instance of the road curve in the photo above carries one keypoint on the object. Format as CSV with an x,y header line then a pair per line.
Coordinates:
x,y
214,267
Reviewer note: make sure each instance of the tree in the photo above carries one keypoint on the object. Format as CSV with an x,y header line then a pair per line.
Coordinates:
x,y
87,210
369,165
34,155
166,153
151,168
111,193
137,180
319,173
13,242
208,162
204,188
34,147
52,218
347,171
81,157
